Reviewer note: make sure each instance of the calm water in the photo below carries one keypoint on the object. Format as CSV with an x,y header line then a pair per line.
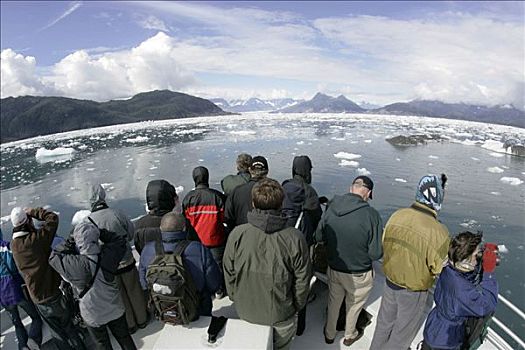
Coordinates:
x,y
125,158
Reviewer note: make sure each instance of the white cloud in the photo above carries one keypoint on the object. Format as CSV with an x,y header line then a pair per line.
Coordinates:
x,y
149,66
152,22
18,75
451,57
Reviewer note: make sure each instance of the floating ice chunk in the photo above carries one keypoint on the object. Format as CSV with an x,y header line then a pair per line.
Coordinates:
x,y
345,162
514,181
201,160
338,138
243,132
179,189
503,249
433,157
496,193
398,159
400,180
474,158
80,216
300,142
106,185
363,171
153,167
367,141
346,155
137,139
469,224
11,203
60,154
496,155
495,170
495,146
4,219
90,169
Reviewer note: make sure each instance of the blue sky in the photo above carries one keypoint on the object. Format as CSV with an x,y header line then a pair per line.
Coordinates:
x,y
380,52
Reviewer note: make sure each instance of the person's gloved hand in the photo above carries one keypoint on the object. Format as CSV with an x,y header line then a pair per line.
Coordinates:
x,y
490,257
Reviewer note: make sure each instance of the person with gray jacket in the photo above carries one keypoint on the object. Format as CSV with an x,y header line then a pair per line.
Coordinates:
x,y
127,274
100,302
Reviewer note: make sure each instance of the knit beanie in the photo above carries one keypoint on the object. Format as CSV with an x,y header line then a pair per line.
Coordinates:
x,y
18,217
431,191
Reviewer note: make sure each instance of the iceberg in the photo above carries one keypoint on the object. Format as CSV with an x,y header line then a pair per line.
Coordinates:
x,y
514,181
137,139
345,155
345,162
400,180
57,155
363,171
495,170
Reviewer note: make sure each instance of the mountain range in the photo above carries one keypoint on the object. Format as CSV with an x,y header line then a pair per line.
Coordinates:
x,y
29,116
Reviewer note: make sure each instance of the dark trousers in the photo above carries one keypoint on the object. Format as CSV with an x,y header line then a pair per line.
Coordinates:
x,y
119,329
218,253
35,331
59,319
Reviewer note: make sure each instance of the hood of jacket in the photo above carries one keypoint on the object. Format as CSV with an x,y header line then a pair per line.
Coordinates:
x,y
269,221
86,238
160,197
346,204
201,176
97,197
302,166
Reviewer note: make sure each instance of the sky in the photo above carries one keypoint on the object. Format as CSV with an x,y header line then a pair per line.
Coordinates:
x,y
378,52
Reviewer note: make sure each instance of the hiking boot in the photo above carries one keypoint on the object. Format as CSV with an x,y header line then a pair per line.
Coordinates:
x,y
326,339
350,341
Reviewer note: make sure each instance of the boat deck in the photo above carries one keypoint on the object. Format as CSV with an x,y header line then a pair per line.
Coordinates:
x,y
160,336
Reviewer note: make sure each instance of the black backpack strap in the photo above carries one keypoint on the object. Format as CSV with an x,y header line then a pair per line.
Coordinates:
x,y
93,222
159,248
181,247
90,284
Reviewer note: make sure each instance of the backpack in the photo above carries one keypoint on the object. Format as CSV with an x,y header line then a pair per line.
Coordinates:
x,y
476,329
171,286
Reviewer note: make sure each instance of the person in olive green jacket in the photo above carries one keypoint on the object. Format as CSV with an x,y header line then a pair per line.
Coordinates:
x,y
267,268
415,246
243,176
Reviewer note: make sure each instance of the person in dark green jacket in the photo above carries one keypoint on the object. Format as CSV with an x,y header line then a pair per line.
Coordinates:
x,y
229,182
351,230
267,268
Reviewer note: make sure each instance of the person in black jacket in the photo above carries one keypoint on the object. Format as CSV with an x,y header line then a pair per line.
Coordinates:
x,y
239,202
302,208
161,198
300,196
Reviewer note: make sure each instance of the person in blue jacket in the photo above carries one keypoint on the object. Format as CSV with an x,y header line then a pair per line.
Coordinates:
x,y
12,297
466,288
196,257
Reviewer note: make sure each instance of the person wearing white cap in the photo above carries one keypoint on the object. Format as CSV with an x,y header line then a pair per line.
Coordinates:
x,y
31,249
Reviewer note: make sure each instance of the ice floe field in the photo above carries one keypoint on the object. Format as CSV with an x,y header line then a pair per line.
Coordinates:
x,y
485,192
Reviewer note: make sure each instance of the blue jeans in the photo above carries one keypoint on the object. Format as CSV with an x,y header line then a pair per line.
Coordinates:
x,y
58,317
35,331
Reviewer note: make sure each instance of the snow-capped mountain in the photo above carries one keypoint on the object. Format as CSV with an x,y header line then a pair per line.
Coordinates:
x,y
254,104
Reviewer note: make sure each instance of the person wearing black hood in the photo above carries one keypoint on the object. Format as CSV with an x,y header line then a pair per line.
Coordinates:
x,y
161,198
300,196
204,209
352,231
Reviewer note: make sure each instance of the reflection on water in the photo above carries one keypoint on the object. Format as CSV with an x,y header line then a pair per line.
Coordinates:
x,y
125,159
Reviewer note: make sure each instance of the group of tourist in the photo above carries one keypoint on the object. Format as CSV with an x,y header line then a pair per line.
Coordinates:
x,y
253,243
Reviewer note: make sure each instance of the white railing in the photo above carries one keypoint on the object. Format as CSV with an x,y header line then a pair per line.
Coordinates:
x,y
495,338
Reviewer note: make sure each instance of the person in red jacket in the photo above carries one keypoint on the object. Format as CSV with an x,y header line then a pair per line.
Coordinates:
x,y
204,209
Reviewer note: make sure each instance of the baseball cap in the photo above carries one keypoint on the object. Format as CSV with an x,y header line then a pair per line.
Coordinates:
x,y
259,162
365,181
